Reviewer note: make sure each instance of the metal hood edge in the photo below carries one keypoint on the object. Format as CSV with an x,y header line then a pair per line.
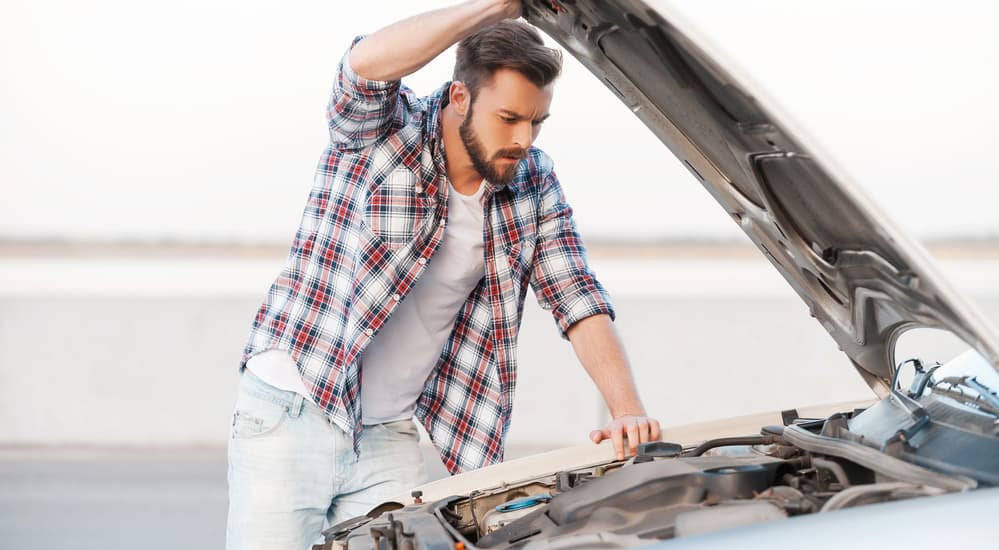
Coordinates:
x,y
863,279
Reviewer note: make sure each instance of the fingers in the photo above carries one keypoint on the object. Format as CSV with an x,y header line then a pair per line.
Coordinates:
x,y
636,429
618,438
644,431
599,435
633,438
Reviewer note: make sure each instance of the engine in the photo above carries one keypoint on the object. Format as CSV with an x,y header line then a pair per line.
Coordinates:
x,y
663,492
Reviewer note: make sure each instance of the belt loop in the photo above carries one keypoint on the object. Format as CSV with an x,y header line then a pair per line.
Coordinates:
x,y
296,406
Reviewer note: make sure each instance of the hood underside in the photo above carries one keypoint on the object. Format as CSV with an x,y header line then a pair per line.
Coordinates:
x,y
862,278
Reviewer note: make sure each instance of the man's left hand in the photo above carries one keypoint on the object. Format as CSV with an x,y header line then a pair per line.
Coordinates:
x,y
638,429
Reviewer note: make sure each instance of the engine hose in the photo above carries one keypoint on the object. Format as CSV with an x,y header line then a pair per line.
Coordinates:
x,y
730,441
856,494
876,460
835,468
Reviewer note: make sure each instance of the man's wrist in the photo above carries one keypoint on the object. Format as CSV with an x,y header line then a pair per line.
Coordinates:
x,y
639,412
496,10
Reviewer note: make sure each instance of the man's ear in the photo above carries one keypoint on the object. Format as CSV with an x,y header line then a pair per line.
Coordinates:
x,y
459,97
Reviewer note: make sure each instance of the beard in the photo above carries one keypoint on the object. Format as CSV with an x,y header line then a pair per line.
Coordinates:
x,y
488,167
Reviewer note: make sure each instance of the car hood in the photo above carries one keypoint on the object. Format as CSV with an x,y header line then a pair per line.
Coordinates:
x,y
587,454
863,279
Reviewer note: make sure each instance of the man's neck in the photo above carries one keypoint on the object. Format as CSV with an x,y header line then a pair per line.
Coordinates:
x,y
463,176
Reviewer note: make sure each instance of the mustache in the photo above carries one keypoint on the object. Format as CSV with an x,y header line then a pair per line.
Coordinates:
x,y
513,153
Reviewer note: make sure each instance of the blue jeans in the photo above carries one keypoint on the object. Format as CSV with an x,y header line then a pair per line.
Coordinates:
x,y
292,472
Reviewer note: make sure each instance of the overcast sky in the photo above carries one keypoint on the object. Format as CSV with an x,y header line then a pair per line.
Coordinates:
x,y
203,120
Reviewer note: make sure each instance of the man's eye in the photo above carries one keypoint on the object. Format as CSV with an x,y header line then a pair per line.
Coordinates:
x,y
508,119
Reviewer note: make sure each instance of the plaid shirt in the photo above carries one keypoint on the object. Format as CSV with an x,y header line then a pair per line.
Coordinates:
x,y
374,218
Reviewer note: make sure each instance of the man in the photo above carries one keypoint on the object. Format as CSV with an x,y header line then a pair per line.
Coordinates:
x,y
403,292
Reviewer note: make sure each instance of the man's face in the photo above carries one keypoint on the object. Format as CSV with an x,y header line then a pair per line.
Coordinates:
x,y
502,123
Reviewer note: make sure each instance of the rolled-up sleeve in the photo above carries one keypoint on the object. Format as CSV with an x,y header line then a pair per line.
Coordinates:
x,y
362,111
561,277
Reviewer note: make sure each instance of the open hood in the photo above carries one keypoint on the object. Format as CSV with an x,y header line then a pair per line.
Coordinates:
x,y
862,278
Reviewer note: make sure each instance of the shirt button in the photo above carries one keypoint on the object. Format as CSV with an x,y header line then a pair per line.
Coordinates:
x,y
369,332
422,261
396,297
443,222
419,188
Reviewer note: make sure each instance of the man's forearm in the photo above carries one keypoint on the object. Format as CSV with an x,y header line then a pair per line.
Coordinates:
x,y
404,47
599,349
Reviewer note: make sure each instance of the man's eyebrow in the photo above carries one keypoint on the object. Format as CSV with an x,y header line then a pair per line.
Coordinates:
x,y
518,116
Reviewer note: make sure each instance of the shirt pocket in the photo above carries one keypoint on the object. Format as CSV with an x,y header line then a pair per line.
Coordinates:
x,y
520,256
394,211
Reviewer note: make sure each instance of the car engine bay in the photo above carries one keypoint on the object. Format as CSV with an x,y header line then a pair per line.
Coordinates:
x,y
932,438
863,280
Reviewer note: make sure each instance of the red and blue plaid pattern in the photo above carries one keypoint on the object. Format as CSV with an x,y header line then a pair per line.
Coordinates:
x,y
373,220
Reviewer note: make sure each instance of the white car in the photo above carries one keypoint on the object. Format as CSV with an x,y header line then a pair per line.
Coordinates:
x,y
914,468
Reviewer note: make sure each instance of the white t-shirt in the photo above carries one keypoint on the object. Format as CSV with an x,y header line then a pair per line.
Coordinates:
x,y
397,362
276,367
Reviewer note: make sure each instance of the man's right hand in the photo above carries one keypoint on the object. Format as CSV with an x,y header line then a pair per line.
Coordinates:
x,y
634,429
512,8
402,48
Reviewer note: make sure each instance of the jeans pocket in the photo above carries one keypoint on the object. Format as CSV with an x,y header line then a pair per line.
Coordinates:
x,y
255,416
253,424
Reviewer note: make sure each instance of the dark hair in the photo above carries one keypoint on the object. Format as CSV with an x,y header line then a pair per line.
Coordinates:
x,y
510,44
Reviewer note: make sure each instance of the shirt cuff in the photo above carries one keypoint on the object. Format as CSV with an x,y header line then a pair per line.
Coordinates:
x,y
364,87
586,304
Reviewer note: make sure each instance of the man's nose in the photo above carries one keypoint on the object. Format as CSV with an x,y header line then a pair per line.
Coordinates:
x,y
522,136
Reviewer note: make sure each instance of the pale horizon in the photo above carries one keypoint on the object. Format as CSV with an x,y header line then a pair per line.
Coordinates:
x,y
203,123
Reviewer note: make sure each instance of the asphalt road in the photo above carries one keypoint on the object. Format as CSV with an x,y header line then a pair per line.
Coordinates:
x,y
118,499
113,500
